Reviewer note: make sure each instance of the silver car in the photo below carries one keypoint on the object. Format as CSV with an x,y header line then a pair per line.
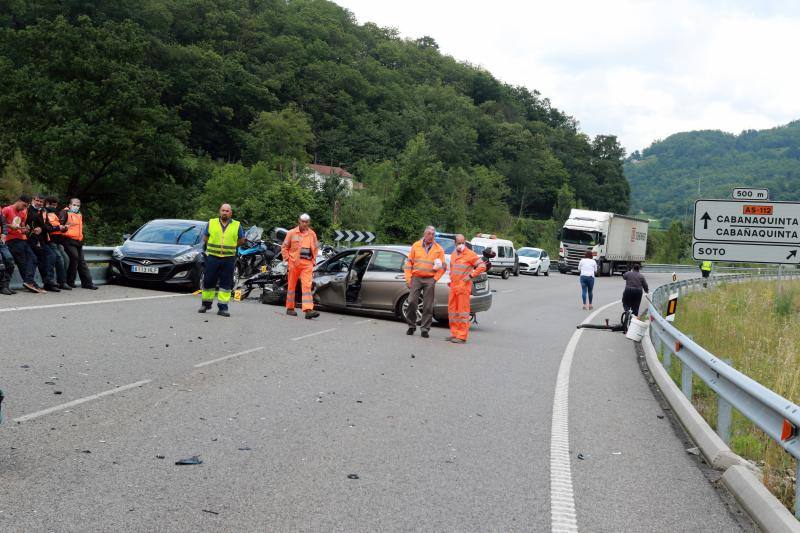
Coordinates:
x,y
370,278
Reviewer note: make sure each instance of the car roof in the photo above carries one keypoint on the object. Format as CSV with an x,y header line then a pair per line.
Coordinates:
x,y
181,220
390,247
529,248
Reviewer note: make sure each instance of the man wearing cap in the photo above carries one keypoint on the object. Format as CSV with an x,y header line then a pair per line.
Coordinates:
x,y
223,236
299,250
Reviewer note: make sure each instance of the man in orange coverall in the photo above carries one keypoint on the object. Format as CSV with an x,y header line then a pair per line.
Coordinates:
x,y
299,250
464,265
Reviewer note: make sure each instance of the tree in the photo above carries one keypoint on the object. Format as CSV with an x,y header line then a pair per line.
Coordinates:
x,y
565,202
280,139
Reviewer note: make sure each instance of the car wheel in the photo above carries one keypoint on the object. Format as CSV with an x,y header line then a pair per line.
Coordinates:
x,y
506,274
197,284
547,272
402,307
537,271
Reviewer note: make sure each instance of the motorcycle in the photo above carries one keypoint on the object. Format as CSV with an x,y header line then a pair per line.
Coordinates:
x,y
269,272
253,256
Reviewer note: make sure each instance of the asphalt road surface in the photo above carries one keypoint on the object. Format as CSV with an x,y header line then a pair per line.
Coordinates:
x,y
338,424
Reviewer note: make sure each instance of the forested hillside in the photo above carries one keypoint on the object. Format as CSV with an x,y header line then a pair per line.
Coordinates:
x,y
148,108
664,177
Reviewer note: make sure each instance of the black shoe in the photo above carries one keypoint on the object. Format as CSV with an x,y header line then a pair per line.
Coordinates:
x,y
425,334
223,313
291,312
7,291
90,287
203,309
64,287
410,331
312,314
52,287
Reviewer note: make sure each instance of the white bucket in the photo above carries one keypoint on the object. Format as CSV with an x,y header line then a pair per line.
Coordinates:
x,y
637,329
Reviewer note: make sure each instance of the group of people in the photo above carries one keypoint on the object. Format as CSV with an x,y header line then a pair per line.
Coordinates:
x,y
425,265
36,235
635,284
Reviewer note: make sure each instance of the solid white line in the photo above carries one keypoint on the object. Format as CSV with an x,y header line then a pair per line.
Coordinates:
x,y
79,401
88,302
363,321
313,334
562,500
237,354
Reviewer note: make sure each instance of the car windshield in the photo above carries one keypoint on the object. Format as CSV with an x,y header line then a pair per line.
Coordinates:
x,y
448,244
579,237
528,252
169,233
478,249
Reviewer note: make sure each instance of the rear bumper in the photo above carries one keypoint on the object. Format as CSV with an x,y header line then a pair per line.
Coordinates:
x,y
478,303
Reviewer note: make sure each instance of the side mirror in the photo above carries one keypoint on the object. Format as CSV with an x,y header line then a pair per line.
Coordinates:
x,y
126,236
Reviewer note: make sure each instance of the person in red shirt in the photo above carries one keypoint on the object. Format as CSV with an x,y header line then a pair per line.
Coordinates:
x,y
16,216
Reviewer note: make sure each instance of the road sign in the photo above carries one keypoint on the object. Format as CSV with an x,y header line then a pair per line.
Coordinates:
x,y
353,236
750,222
746,253
746,193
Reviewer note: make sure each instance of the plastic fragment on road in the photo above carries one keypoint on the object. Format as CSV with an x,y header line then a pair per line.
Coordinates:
x,y
693,451
353,476
193,460
209,511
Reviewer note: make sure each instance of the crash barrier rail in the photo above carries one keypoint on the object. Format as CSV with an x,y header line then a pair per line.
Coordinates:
x,y
97,257
774,415
680,269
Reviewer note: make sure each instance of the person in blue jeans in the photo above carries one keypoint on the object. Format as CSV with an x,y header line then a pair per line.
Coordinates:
x,y
588,269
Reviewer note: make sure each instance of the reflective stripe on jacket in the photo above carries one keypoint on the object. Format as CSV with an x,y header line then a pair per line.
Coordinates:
x,y
295,241
222,242
421,263
463,267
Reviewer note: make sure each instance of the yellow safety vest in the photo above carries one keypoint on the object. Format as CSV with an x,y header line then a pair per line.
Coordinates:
x,y
706,266
222,242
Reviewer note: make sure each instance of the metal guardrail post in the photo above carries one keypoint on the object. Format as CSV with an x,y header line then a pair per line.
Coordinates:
x,y
797,491
686,381
724,415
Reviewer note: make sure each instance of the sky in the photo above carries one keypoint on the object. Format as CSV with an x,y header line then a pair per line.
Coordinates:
x,y
640,70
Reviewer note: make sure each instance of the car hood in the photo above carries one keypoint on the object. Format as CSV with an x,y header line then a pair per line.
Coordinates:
x,y
153,250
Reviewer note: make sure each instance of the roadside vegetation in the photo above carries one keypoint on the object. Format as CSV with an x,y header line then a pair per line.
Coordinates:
x,y
758,329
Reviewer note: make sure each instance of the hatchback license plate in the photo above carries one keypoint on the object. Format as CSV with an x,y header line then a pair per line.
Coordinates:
x,y
144,270
481,285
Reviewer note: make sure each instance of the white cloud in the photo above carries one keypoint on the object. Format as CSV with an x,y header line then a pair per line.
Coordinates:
x,y
637,69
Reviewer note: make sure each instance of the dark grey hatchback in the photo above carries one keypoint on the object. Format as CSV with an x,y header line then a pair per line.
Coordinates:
x,y
162,252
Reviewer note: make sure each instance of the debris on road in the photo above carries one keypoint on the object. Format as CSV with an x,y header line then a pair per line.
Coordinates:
x,y
56,392
661,417
210,512
193,460
352,476
693,451
245,449
616,453
160,456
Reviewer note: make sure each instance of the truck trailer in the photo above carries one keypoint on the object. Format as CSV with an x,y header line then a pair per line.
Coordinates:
x,y
616,241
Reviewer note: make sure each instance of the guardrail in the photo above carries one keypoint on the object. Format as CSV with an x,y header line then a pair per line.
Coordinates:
x,y
96,257
763,407
682,269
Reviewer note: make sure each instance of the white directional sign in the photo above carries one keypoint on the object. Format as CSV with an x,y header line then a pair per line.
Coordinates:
x,y
749,222
746,193
746,253
353,236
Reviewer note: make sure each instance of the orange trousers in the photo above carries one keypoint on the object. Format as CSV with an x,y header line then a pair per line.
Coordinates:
x,y
458,313
303,270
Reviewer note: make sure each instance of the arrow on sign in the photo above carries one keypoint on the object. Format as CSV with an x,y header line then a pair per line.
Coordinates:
x,y
349,235
339,235
705,218
370,237
793,253
359,236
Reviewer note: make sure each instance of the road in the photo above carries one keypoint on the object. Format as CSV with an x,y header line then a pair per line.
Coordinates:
x,y
339,424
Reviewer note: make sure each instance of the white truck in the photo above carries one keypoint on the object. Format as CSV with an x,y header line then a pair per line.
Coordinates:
x,y
616,241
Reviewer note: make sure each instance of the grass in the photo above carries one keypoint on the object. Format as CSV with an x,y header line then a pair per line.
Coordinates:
x,y
758,328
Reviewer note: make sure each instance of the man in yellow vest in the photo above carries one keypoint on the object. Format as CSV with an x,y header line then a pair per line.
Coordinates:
x,y
705,270
223,236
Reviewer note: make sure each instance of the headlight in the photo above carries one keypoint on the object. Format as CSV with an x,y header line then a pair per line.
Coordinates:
x,y
117,253
187,257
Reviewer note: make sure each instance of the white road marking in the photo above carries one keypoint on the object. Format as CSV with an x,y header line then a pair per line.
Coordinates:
x,y
79,401
88,302
314,334
363,321
231,356
562,501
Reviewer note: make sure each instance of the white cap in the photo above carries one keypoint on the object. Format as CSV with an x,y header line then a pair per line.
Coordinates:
x,y
304,217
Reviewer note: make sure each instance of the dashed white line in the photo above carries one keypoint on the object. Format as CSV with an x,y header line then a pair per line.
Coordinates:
x,y
363,321
562,500
314,334
79,401
225,357
88,302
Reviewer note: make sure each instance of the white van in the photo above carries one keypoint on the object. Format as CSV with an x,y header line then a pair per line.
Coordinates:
x,y
504,261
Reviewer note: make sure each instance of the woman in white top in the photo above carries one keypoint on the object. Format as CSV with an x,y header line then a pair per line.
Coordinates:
x,y
587,268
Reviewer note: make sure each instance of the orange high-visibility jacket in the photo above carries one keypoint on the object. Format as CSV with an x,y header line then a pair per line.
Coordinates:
x,y
420,262
463,267
75,231
295,241
52,218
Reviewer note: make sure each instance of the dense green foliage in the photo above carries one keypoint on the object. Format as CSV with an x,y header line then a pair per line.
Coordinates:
x,y
664,177
149,108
